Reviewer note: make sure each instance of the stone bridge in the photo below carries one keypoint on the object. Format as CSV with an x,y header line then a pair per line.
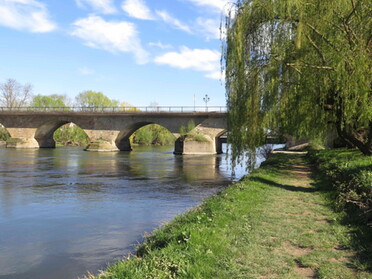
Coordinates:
x,y
110,131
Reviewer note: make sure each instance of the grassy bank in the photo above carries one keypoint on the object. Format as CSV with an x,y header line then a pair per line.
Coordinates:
x,y
350,174
276,223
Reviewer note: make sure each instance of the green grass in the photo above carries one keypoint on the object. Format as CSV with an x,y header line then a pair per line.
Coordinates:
x,y
350,174
194,136
189,133
276,223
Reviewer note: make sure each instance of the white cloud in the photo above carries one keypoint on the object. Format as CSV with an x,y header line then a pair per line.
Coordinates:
x,y
137,9
85,71
219,5
111,36
167,18
210,28
160,45
102,6
29,15
204,60
216,75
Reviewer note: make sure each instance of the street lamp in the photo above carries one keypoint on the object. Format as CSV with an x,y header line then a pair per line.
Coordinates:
x,y
206,99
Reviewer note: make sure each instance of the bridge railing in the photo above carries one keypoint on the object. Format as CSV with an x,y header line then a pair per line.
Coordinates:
x,y
128,109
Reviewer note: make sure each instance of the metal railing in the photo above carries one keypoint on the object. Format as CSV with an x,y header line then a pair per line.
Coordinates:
x,y
149,109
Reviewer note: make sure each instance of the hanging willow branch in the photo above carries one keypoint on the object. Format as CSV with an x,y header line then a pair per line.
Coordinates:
x,y
287,60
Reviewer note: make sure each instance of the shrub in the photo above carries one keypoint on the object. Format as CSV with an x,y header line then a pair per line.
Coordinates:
x,y
350,174
4,135
71,135
153,134
190,134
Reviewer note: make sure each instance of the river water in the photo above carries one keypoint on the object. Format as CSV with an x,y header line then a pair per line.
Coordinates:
x,y
64,211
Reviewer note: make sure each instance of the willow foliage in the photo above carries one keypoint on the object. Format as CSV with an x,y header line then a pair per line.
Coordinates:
x,y
298,67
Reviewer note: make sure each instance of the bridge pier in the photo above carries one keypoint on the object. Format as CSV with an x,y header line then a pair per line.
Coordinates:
x,y
22,143
203,139
101,146
102,140
194,147
22,138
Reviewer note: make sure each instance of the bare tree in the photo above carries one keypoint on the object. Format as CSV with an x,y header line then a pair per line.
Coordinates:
x,y
14,95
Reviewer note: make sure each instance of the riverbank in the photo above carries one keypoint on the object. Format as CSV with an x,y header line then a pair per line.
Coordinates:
x,y
277,222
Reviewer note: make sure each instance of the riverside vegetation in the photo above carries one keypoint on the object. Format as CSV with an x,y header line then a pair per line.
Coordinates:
x,y
4,135
281,221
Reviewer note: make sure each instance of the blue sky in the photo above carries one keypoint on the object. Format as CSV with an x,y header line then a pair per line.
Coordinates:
x,y
138,51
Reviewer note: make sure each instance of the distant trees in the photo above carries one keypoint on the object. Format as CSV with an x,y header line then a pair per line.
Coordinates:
x,y
153,134
14,95
50,101
68,134
128,107
92,99
71,135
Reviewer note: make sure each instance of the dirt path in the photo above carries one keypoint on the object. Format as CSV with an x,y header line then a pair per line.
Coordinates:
x,y
307,236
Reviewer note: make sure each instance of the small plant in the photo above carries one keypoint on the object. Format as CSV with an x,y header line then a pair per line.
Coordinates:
x,y
4,135
190,134
184,131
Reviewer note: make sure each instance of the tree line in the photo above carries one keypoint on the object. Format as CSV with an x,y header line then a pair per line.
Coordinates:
x,y
15,95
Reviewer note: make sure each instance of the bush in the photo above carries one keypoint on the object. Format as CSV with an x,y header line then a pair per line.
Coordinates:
x,y
4,135
190,134
71,135
153,134
350,174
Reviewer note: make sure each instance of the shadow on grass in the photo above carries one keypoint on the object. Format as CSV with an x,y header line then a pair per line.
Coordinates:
x,y
285,187
360,234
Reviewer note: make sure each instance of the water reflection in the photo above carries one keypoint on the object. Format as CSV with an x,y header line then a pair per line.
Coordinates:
x,y
64,211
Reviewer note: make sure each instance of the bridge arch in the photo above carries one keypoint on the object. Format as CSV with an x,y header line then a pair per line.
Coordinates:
x,y
219,141
123,140
44,134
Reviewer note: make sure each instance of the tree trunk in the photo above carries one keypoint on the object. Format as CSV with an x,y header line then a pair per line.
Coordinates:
x,y
364,146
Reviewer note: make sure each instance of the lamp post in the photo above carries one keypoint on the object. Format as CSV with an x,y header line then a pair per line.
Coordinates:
x,y
206,99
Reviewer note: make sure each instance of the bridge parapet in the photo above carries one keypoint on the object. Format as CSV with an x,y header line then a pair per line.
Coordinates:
x,y
124,109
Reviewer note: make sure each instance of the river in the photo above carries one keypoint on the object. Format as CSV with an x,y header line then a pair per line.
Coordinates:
x,y
64,211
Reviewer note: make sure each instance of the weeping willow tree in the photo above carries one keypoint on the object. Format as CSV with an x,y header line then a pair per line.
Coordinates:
x,y
298,67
